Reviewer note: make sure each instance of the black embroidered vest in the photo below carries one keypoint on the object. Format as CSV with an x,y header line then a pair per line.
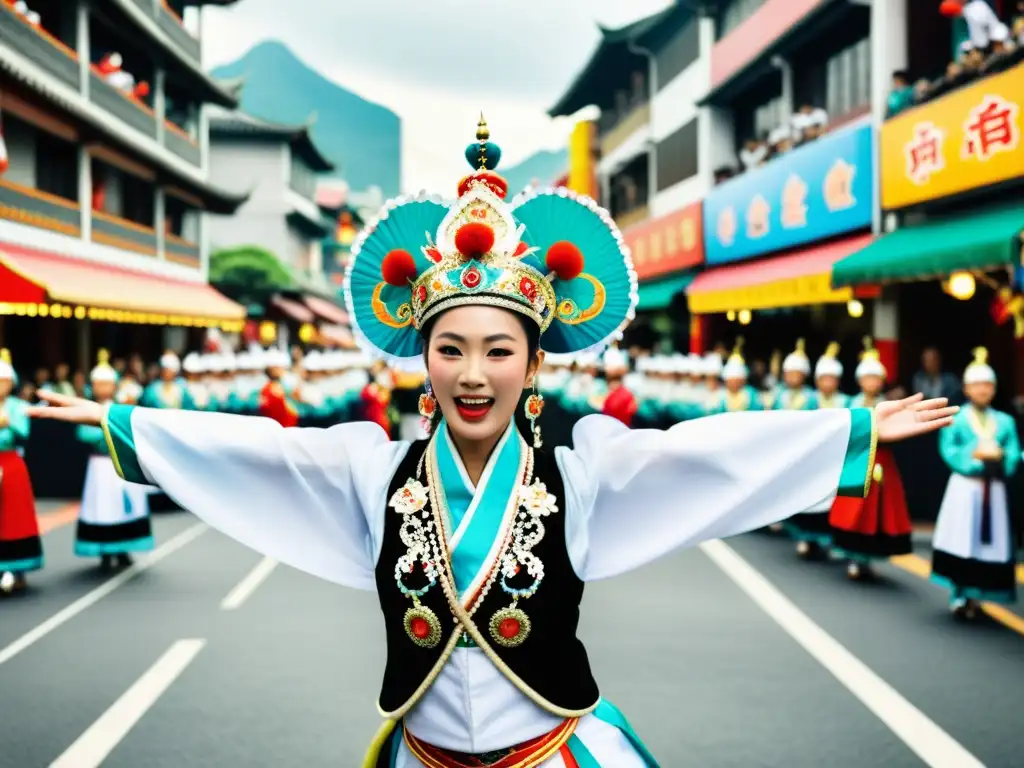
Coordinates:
x,y
551,663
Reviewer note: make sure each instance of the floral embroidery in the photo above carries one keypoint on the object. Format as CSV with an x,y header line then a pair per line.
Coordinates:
x,y
411,497
536,500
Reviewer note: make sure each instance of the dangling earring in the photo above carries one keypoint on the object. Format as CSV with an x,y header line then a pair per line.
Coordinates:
x,y
534,406
427,406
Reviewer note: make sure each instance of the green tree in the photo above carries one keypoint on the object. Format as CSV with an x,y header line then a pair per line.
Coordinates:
x,y
249,274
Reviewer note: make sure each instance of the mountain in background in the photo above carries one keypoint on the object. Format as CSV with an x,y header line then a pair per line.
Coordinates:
x,y
545,167
361,138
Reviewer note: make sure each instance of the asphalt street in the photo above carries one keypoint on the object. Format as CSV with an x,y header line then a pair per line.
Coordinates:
x,y
734,654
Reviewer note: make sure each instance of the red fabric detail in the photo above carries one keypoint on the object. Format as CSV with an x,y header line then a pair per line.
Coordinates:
x,y
698,330
889,354
17,502
275,404
861,515
567,758
18,290
620,405
375,406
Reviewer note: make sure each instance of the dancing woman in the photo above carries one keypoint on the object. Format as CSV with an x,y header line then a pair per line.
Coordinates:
x,y
477,542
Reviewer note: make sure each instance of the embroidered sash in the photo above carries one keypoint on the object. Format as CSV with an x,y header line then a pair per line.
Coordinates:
x,y
529,755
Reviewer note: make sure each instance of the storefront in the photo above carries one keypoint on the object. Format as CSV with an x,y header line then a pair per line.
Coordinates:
x,y
56,308
951,177
771,238
666,252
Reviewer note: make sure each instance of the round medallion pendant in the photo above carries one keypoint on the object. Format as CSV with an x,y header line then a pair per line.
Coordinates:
x,y
422,626
510,627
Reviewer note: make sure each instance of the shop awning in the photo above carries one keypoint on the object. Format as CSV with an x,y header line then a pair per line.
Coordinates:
x,y
658,294
326,311
40,283
793,279
300,313
339,335
985,240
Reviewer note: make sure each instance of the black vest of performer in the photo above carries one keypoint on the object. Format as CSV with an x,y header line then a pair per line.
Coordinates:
x,y
551,661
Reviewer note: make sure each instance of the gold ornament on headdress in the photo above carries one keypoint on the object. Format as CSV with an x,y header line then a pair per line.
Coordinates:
x,y
801,348
870,353
737,352
5,356
980,356
832,350
103,357
483,133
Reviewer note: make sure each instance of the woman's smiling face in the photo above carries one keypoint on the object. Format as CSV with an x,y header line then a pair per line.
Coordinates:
x,y
479,361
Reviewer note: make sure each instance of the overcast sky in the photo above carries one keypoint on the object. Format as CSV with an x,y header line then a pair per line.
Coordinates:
x,y
437,64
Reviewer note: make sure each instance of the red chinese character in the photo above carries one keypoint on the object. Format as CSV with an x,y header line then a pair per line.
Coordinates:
x,y
924,153
991,128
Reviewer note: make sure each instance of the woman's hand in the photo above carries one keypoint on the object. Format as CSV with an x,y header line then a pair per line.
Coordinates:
x,y
64,408
912,416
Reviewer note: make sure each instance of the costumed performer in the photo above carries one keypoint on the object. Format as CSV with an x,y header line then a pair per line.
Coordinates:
x,y
973,546
620,402
21,548
275,402
113,520
877,527
478,544
737,395
828,372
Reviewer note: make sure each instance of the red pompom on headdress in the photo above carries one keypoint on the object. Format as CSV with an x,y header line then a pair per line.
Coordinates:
x,y
474,239
951,9
398,268
564,259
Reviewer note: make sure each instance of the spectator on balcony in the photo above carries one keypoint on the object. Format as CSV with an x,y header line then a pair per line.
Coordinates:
x,y
1002,53
982,23
1017,24
809,123
753,154
901,95
781,140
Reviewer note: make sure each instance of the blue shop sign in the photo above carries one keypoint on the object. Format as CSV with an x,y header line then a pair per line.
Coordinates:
x,y
817,191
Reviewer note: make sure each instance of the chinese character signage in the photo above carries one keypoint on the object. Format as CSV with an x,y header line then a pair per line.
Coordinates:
x,y
817,191
968,139
668,244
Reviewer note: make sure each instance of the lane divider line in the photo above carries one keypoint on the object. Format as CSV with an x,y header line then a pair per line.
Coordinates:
x,y
101,738
249,584
924,737
89,599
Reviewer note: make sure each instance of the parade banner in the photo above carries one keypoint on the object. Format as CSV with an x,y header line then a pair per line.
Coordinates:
x,y
817,191
667,244
966,140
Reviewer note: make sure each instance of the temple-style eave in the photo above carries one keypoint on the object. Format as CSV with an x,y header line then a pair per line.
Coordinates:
x,y
245,126
311,227
208,88
614,42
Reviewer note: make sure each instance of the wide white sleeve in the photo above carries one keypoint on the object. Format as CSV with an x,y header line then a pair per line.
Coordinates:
x,y
311,498
635,495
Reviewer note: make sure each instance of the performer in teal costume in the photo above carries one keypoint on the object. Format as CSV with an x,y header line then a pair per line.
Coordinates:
x,y
479,542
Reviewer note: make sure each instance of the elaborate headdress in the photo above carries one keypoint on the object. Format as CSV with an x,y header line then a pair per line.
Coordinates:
x,y
870,361
828,364
552,256
736,366
797,360
979,371
103,370
6,368
169,361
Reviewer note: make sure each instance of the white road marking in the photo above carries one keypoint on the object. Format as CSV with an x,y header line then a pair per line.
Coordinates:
x,y
926,739
244,589
91,598
100,739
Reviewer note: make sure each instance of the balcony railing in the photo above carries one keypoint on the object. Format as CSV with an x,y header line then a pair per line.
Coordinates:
x,y
171,24
181,251
625,127
120,104
39,46
122,233
36,208
181,144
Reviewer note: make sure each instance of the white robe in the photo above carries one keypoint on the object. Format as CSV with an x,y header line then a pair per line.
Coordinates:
x,y
316,499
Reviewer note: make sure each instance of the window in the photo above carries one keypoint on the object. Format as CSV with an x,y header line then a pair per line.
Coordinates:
x,y
677,156
679,53
737,12
123,195
848,79
56,166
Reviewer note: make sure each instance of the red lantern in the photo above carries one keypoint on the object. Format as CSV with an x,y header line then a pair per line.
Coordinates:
x,y
951,9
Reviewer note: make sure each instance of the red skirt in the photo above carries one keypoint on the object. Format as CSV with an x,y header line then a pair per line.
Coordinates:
x,y
879,525
20,546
